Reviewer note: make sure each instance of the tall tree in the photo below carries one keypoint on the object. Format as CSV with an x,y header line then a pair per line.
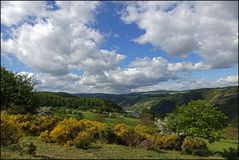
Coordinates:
x,y
198,118
17,92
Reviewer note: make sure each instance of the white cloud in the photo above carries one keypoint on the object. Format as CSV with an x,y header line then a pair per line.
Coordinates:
x,y
59,41
208,28
141,73
187,84
57,44
101,83
14,12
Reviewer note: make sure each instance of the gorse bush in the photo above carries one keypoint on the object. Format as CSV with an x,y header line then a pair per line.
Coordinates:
x,y
83,139
45,136
142,131
10,130
31,124
107,135
146,144
194,146
131,138
170,142
82,133
67,131
121,129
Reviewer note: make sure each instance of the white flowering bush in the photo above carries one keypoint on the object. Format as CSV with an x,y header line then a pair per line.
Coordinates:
x,y
161,125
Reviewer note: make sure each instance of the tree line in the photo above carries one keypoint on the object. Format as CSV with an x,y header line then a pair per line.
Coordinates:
x,y
19,96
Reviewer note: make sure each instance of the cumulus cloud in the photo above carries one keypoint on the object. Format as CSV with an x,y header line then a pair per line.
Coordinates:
x,y
73,83
209,29
55,42
188,84
61,41
14,12
142,75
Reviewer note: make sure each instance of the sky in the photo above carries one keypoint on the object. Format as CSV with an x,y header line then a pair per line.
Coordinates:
x,y
121,47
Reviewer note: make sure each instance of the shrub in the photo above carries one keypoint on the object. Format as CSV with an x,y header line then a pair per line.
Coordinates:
x,y
127,136
83,140
131,138
10,130
168,142
66,130
45,136
44,111
107,135
194,146
33,125
91,127
231,153
142,131
146,144
121,129
45,123
29,128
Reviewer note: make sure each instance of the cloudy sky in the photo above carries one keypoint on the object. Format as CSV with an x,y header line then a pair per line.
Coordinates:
x,y
121,47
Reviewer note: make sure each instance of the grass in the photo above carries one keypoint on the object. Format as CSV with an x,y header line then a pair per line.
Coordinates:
x,y
7,154
132,122
51,150
96,151
223,144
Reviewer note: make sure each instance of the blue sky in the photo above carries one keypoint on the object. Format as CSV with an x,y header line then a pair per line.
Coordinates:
x,y
144,46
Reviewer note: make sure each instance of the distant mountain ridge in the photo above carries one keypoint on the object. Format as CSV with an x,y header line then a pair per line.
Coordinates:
x,y
162,102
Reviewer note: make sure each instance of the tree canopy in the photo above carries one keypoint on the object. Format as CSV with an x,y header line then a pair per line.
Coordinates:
x,y
55,100
197,118
17,92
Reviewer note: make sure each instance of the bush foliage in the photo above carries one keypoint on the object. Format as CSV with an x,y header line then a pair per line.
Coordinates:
x,y
199,119
81,133
83,139
10,130
194,146
70,131
17,92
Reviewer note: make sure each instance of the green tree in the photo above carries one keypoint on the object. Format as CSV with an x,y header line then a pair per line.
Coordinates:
x,y
197,118
17,92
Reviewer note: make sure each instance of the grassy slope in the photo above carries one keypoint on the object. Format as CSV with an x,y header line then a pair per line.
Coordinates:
x,y
96,151
223,144
226,99
132,122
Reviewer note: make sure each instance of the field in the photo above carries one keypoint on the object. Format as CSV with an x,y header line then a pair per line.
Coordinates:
x,y
107,151
132,122
222,144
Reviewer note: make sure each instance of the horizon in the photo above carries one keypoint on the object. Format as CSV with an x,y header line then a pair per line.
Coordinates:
x,y
119,47
74,93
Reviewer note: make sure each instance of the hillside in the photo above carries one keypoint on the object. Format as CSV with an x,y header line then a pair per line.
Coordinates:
x,y
59,99
160,103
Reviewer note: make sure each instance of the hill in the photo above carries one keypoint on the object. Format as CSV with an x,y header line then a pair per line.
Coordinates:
x,y
159,103
59,99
